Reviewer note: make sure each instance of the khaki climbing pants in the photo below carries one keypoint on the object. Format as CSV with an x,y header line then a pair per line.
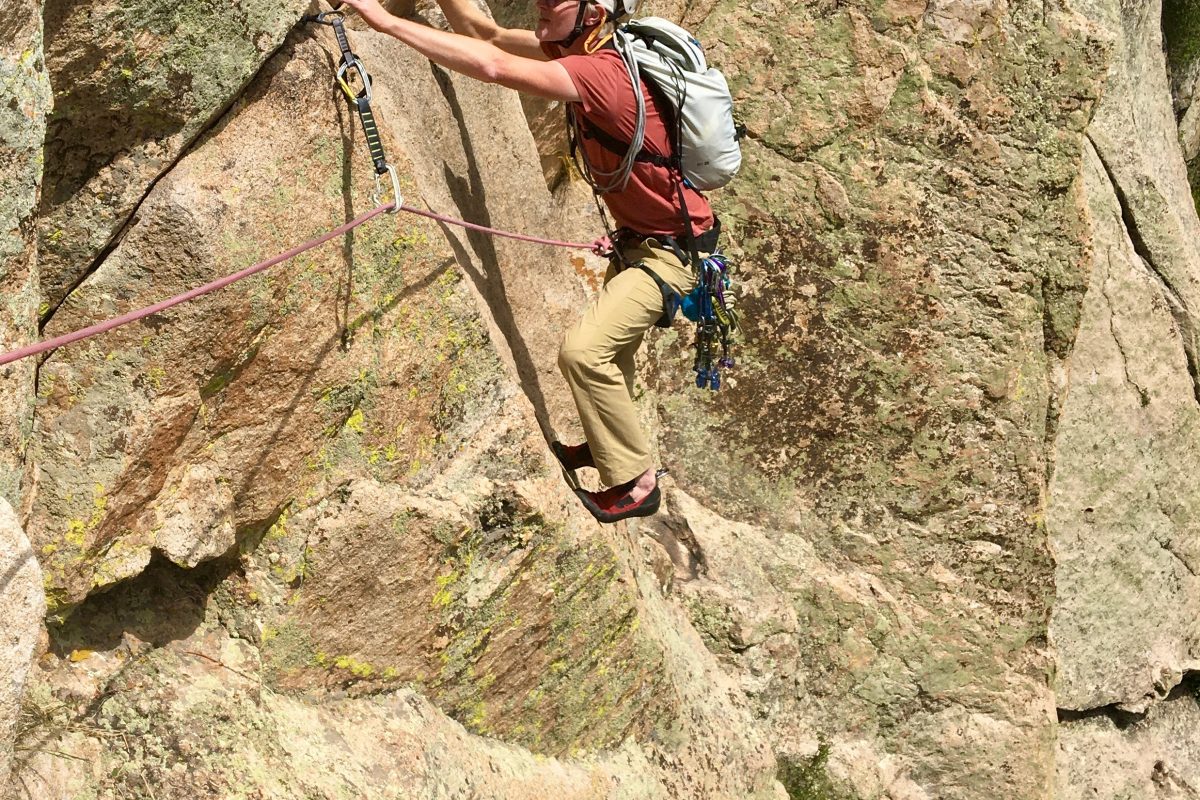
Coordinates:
x,y
596,358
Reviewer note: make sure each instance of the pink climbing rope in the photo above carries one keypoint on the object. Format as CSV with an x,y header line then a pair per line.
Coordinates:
x,y
141,313
493,231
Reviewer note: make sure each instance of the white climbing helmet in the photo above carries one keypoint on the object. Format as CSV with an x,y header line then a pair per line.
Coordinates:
x,y
618,8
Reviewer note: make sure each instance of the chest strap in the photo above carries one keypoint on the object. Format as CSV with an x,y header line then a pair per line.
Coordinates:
x,y
589,130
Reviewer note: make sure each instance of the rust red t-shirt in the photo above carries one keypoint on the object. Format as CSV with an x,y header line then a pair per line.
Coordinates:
x,y
650,201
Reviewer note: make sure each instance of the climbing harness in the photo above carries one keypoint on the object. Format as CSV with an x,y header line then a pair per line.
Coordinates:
x,y
709,304
351,65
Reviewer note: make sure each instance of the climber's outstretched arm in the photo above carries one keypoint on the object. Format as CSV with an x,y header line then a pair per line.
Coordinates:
x,y
466,18
472,57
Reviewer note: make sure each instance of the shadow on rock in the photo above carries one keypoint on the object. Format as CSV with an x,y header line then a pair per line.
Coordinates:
x,y
470,196
165,603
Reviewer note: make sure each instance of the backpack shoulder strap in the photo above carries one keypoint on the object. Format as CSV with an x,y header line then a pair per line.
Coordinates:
x,y
590,130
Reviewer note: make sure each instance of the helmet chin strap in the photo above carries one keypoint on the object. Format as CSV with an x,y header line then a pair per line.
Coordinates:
x,y
577,31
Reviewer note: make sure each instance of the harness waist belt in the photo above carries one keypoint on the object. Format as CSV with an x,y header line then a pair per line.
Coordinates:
x,y
704,243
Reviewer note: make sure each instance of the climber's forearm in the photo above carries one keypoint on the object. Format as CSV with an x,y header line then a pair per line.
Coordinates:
x,y
465,18
484,61
472,57
468,20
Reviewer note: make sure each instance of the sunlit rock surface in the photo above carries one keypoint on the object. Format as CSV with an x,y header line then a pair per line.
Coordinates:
x,y
135,83
26,94
303,537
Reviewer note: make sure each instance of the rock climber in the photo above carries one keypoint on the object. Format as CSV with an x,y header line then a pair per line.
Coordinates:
x,y
568,57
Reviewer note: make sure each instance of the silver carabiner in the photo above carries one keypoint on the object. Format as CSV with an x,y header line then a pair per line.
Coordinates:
x,y
358,67
323,16
377,195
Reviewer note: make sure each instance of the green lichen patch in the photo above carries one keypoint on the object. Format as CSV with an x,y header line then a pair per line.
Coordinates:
x,y
150,68
162,732
809,779
285,650
586,680
397,421
507,622
1181,29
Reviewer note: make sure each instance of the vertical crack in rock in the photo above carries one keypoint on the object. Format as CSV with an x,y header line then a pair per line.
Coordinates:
x,y
113,243
1142,393
1179,309
1056,387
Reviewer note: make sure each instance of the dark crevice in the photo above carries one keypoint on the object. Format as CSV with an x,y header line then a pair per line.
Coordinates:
x,y
161,604
1053,418
1188,687
1175,302
1054,392
1119,717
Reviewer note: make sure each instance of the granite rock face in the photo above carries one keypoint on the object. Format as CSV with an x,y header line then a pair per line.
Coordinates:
x,y
913,255
23,606
303,537
199,424
1120,515
1181,37
1154,756
1126,546
343,460
135,83
1147,275
26,92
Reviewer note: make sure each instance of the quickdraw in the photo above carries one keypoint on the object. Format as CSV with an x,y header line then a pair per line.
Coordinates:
x,y
361,100
716,320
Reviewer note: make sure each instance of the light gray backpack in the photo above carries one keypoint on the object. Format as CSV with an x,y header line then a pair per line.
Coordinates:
x,y
706,138
671,58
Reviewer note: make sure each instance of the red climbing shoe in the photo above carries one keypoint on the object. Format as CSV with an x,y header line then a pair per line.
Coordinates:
x,y
573,456
614,505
